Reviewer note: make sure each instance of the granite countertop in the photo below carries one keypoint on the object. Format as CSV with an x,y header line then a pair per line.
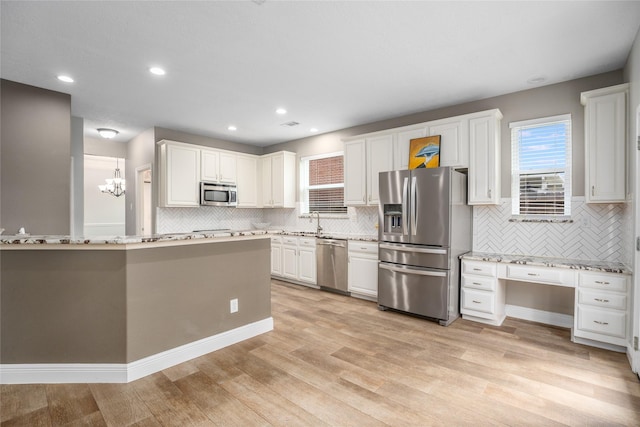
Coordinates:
x,y
575,264
25,239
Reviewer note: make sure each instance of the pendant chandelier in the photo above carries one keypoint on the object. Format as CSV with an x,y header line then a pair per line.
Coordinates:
x,y
114,186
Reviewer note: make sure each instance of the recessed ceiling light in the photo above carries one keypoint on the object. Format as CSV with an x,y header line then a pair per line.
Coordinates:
x,y
536,80
157,71
107,133
281,111
232,127
313,130
65,79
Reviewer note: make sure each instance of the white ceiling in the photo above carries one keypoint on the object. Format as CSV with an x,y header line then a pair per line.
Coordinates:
x,y
332,65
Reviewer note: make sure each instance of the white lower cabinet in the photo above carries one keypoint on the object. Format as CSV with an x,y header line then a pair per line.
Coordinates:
x,y
482,296
294,259
602,308
363,268
276,256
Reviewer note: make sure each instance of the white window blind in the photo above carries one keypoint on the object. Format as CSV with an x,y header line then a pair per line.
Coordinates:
x,y
541,166
322,182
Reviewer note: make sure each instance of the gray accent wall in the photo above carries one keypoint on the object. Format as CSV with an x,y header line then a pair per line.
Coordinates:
x,y
35,184
140,152
77,176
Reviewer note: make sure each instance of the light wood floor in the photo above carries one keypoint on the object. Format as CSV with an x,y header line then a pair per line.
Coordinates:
x,y
338,361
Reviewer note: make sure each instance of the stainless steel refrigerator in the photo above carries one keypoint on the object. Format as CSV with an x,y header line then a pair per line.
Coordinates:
x,y
424,226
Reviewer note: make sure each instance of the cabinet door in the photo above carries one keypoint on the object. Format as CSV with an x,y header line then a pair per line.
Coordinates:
x,y
247,181
228,168
276,260
307,265
402,144
355,169
267,197
363,275
484,161
379,159
290,262
209,163
605,150
277,181
454,141
182,175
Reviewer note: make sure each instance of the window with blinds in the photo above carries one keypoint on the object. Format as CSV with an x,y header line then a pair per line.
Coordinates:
x,y
322,182
541,167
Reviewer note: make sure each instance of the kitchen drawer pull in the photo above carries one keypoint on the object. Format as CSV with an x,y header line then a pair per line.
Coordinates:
x,y
533,274
476,283
600,282
601,300
476,302
477,269
600,323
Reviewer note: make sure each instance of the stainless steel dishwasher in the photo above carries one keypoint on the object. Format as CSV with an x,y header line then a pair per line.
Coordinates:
x,y
331,255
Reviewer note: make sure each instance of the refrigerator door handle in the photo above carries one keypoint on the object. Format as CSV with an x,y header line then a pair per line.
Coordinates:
x,y
412,271
405,199
413,249
414,210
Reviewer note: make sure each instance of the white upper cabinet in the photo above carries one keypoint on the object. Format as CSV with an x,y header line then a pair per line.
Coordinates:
x,y
402,144
355,170
484,158
379,159
179,174
278,180
247,180
218,166
605,144
454,141
364,159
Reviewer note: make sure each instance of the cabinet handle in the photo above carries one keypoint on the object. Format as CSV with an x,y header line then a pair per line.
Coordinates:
x,y
593,190
369,197
364,199
476,283
477,269
600,323
533,274
600,282
489,193
601,300
364,249
476,302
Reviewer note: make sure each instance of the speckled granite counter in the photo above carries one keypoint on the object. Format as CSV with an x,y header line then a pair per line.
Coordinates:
x,y
574,264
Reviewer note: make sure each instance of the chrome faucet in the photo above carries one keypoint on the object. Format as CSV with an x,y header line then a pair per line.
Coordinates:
x,y
318,229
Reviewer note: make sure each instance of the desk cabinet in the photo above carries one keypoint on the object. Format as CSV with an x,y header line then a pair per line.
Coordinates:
x,y
482,296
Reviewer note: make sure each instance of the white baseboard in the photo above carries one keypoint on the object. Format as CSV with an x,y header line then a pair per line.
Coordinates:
x,y
540,316
49,373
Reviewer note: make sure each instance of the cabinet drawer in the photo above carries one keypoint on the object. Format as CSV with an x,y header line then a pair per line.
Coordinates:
x,y
478,301
290,240
606,322
478,282
602,299
615,282
535,274
307,242
363,247
479,268
276,240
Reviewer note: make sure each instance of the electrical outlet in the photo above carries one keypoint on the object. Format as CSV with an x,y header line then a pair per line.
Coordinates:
x,y
233,305
584,222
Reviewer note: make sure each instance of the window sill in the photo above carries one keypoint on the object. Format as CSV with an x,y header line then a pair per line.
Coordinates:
x,y
325,215
542,219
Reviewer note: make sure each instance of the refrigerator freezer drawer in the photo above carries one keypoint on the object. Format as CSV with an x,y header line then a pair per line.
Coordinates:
x,y
413,290
420,256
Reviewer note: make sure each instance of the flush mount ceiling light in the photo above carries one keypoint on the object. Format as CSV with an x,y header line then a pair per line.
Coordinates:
x,y
65,79
232,127
281,111
313,130
114,186
157,71
107,133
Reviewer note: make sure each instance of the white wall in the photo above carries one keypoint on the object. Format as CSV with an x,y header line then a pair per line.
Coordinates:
x,y
104,214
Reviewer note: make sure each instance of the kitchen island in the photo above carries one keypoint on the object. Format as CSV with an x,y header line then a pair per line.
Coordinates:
x,y
117,309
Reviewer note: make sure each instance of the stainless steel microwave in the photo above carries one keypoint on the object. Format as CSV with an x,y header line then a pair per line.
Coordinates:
x,y
212,194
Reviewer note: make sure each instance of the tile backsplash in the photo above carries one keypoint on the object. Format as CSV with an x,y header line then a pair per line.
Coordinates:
x,y
597,232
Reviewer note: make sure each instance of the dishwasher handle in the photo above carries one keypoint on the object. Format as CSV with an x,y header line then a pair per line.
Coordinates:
x,y
326,242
